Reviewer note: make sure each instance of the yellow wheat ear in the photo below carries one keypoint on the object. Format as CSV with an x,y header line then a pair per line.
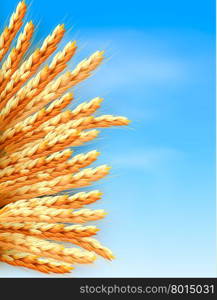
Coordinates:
x,y
36,160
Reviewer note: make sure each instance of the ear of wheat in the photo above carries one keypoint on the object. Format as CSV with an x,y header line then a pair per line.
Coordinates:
x,y
35,155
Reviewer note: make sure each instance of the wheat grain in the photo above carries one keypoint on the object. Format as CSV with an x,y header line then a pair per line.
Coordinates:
x,y
30,167
11,135
58,86
44,248
33,262
12,62
9,32
78,200
86,108
51,215
68,167
12,170
16,104
90,244
38,149
82,110
75,234
49,230
48,146
32,135
80,179
30,66
63,122
52,143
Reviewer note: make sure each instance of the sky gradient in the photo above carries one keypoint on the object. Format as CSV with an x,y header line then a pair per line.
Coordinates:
x,y
160,73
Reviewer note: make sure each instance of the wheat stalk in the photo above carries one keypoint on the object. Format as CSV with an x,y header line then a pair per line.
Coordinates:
x,y
9,32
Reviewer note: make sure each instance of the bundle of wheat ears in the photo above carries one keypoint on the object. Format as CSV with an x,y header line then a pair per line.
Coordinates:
x,y
36,160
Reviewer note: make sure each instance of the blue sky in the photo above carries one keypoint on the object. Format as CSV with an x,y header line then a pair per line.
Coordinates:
x,y
160,73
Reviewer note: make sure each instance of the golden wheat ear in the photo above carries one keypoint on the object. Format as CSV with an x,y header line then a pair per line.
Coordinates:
x,y
10,32
36,161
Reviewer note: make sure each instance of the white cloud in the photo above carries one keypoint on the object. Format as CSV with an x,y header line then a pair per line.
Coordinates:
x,y
151,158
134,59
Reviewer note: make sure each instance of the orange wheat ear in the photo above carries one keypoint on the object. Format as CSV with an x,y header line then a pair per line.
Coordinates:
x,y
10,32
36,162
